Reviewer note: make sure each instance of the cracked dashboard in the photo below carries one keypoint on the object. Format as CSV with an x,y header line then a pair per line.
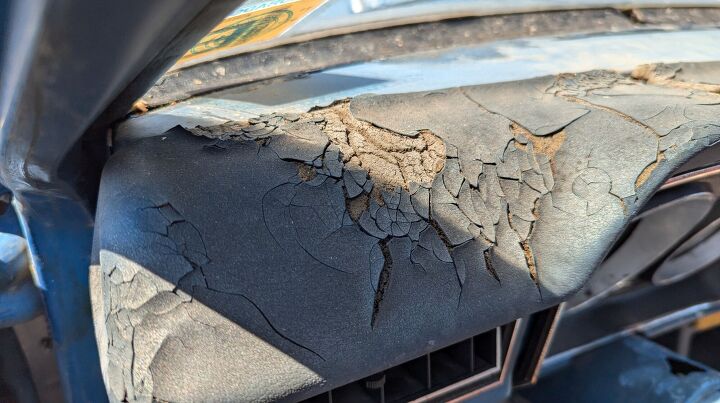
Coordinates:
x,y
291,253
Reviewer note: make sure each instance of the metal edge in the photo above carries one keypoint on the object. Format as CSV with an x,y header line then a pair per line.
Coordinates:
x,y
691,176
548,342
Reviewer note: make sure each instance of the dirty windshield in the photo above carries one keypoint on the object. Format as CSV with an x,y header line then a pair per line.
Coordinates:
x,y
260,24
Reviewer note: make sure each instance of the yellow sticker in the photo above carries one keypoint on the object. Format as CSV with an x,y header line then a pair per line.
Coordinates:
x,y
708,322
257,23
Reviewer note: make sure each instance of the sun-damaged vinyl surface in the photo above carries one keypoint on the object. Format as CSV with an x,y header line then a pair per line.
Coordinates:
x,y
324,246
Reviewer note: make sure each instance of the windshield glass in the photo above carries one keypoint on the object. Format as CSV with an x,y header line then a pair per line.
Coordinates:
x,y
260,24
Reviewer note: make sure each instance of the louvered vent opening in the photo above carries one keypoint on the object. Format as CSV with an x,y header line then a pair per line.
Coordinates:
x,y
449,371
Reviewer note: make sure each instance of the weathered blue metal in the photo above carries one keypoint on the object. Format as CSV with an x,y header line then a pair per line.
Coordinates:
x,y
65,78
59,233
19,303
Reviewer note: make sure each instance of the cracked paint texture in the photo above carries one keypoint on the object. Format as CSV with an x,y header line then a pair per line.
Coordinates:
x,y
352,237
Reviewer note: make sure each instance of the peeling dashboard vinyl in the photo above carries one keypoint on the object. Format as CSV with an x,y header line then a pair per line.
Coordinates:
x,y
340,241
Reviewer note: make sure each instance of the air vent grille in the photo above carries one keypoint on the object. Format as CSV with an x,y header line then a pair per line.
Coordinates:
x,y
449,371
